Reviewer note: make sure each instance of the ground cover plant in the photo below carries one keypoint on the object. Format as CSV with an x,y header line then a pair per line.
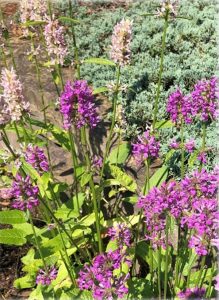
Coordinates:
x,y
166,245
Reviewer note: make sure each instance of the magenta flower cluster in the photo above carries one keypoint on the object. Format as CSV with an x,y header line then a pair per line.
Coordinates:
x,y
202,101
205,97
192,202
77,105
146,147
192,293
36,157
121,234
100,277
45,277
25,194
179,106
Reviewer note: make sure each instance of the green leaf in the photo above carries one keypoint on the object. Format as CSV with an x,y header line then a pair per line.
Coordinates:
x,y
158,177
25,282
12,237
68,19
85,178
99,90
26,228
100,61
87,220
33,23
110,182
80,199
123,178
164,124
119,154
190,263
61,136
12,217
28,169
65,213
193,158
112,245
131,200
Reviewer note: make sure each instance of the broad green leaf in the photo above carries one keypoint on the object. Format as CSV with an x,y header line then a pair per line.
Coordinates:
x,y
100,61
26,228
99,90
193,158
85,178
123,178
12,237
28,169
61,136
206,275
119,154
87,220
110,182
68,19
158,177
190,263
12,217
132,200
169,155
164,124
78,200
111,246
80,232
53,245
65,213
28,281
140,288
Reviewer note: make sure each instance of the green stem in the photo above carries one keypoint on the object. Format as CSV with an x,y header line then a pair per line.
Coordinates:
x,y
182,149
93,191
166,258
37,242
115,98
7,143
198,281
159,272
166,18
204,126
75,163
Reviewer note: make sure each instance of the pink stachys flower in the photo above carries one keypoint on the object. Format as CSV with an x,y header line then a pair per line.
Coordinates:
x,y
200,214
179,107
100,277
12,102
120,50
174,144
168,6
202,157
56,43
32,10
25,194
158,203
121,234
77,105
190,146
146,147
216,286
205,99
192,293
36,157
45,277
5,193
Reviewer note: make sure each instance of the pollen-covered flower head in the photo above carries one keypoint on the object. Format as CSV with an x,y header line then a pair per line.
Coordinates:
x,y
12,102
25,194
120,49
146,147
54,34
77,105
205,99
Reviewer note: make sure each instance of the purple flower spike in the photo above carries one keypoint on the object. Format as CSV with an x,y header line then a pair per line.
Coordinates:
x,y
45,278
100,277
174,145
121,234
25,194
146,147
77,105
190,146
192,293
205,98
36,157
179,106
202,157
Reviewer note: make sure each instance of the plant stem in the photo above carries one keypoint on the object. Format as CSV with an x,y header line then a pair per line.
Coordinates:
x,y
92,187
115,98
166,258
204,126
198,282
166,18
159,272
75,163
37,242
182,150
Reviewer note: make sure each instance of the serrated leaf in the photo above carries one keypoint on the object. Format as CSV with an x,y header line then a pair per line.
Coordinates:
x,y
12,217
99,61
25,282
119,154
12,237
123,178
